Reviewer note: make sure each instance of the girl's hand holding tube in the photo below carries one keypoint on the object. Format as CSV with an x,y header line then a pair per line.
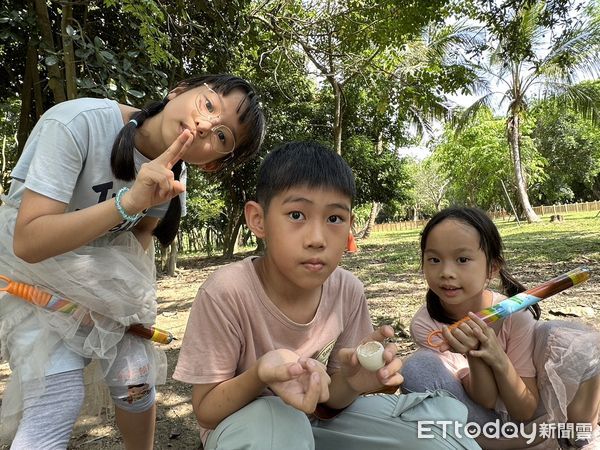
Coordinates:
x,y
476,339
155,183
489,349
461,339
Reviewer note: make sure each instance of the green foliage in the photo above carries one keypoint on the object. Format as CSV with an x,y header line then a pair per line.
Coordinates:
x,y
504,20
9,113
571,145
396,105
203,204
429,187
394,61
17,25
529,58
478,159
380,175
149,17
294,111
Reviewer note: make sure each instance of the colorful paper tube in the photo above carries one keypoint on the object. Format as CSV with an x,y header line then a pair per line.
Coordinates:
x,y
51,302
520,301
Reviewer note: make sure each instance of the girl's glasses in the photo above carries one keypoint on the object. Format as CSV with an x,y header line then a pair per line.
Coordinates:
x,y
210,106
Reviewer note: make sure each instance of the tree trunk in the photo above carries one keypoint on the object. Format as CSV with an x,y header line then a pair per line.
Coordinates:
x,y
375,207
4,172
513,138
337,116
67,43
55,78
230,239
172,261
440,195
208,248
29,80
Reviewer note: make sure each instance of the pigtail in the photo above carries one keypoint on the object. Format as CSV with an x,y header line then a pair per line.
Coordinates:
x,y
510,287
122,164
435,309
121,158
167,228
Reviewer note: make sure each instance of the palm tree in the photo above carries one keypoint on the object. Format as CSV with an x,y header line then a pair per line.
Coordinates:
x,y
529,61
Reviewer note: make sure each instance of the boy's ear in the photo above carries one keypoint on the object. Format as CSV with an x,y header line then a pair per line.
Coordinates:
x,y
255,218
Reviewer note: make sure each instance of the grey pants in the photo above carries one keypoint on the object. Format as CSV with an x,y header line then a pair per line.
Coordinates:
x,y
48,421
377,422
424,370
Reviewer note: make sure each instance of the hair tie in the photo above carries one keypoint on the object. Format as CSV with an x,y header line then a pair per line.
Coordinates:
x,y
133,121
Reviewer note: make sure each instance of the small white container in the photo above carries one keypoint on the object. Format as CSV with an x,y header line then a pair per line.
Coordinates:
x,y
370,355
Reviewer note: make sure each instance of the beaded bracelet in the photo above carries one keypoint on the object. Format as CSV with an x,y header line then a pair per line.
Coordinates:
x,y
122,212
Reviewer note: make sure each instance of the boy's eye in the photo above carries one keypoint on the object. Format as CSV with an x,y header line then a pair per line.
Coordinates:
x,y
433,260
335,219
296,215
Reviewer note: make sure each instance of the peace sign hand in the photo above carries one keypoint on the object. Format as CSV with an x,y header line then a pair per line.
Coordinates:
x,y
155,183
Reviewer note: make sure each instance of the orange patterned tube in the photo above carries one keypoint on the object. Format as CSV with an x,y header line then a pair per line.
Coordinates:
x,y
51,302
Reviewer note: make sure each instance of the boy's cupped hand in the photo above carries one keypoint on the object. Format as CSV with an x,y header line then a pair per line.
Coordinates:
x,y
299,382
362,380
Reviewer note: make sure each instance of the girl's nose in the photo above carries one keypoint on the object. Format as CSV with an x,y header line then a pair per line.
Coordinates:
x,y
205,124
447,271
200,131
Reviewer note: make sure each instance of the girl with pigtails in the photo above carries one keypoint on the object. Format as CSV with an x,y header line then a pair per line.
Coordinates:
x,y
519,372
96,180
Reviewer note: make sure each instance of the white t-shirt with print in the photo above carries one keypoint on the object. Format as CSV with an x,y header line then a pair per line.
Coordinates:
x,y
67,157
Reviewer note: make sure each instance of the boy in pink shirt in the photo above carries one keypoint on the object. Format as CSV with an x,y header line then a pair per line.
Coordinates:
x,y
272,339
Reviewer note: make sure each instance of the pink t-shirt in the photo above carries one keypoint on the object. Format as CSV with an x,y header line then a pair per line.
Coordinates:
x,y
233,322
515,334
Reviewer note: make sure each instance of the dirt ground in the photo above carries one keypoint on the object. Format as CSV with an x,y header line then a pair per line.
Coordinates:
x,y
393,298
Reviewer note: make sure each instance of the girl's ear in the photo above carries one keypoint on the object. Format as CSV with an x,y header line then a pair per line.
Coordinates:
x,y
494,271
210,167
255,218
175,92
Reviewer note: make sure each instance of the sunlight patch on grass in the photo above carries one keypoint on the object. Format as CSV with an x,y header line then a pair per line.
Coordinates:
x,y
394,255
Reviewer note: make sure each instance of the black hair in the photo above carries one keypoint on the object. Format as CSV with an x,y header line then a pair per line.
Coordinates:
x,y
302,163
250,115
491,244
